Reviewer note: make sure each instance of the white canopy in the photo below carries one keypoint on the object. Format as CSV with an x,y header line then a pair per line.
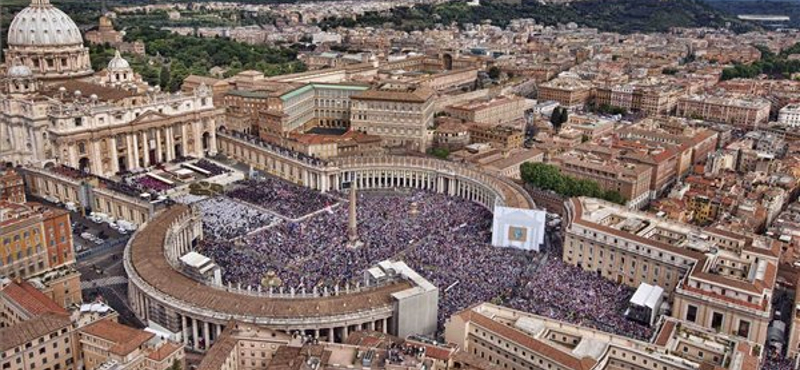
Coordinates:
x,y
647,295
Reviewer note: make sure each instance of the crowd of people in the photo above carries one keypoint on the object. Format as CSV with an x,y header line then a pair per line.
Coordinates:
x,y
226,219
775,361
211,167
444,239
564,292
149,183
286,152
280,196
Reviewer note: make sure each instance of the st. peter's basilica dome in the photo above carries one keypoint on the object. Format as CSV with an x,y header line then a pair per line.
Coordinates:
x,y
48,42
42,24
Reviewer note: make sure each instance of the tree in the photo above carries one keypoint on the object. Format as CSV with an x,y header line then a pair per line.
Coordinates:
x,y
439,152
559,117
176,365
549,177
164,76
669,71
178,72
555,118
494,72
614,196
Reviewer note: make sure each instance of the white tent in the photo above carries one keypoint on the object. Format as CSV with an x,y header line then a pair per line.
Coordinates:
x,y
518,228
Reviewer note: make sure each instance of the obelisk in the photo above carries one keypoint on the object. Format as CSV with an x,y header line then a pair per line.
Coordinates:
x,y
352,227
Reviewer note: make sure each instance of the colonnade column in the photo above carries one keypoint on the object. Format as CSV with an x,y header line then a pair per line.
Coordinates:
x,y
184,330
135,152
206,335
195,335
159,147
198,141
112,143
170,142
212,143
145,149
96,160
184,140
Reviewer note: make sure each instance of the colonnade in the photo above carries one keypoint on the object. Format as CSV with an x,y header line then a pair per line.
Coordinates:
x,y
199,327
420,179
198,332
376,173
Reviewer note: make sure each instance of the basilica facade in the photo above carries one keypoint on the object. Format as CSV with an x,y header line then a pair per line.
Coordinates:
x,y
55,109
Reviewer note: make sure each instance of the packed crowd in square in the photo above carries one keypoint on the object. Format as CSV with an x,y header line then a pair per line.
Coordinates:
x,y
445,239
280,196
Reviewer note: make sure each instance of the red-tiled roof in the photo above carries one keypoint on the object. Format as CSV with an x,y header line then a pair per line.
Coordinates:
x,y
32,300
26,331
164,351
125,338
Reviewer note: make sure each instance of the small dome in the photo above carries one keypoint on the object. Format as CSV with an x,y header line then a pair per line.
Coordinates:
x,y
42,24
118,63
19,70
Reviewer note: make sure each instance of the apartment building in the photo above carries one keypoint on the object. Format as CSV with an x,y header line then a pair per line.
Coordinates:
x,y
35,332
790,115
25,249
37,245
589,126
676,131
744,112
242,108
632,181
497,111
400,114
516,340
242,346
572,93
107,344
307,106
12,188
502,162
451,133
503,137
651,99
717,279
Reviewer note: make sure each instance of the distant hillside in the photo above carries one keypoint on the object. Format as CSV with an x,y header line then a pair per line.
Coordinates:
x,y
790,8
624,16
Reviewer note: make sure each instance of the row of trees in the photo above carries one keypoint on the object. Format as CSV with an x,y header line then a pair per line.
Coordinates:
x,y
548,177
201,17
777,66
611,109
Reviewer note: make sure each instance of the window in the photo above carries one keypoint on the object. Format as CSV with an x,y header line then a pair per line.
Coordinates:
x,y
691,313
744,329
716,320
